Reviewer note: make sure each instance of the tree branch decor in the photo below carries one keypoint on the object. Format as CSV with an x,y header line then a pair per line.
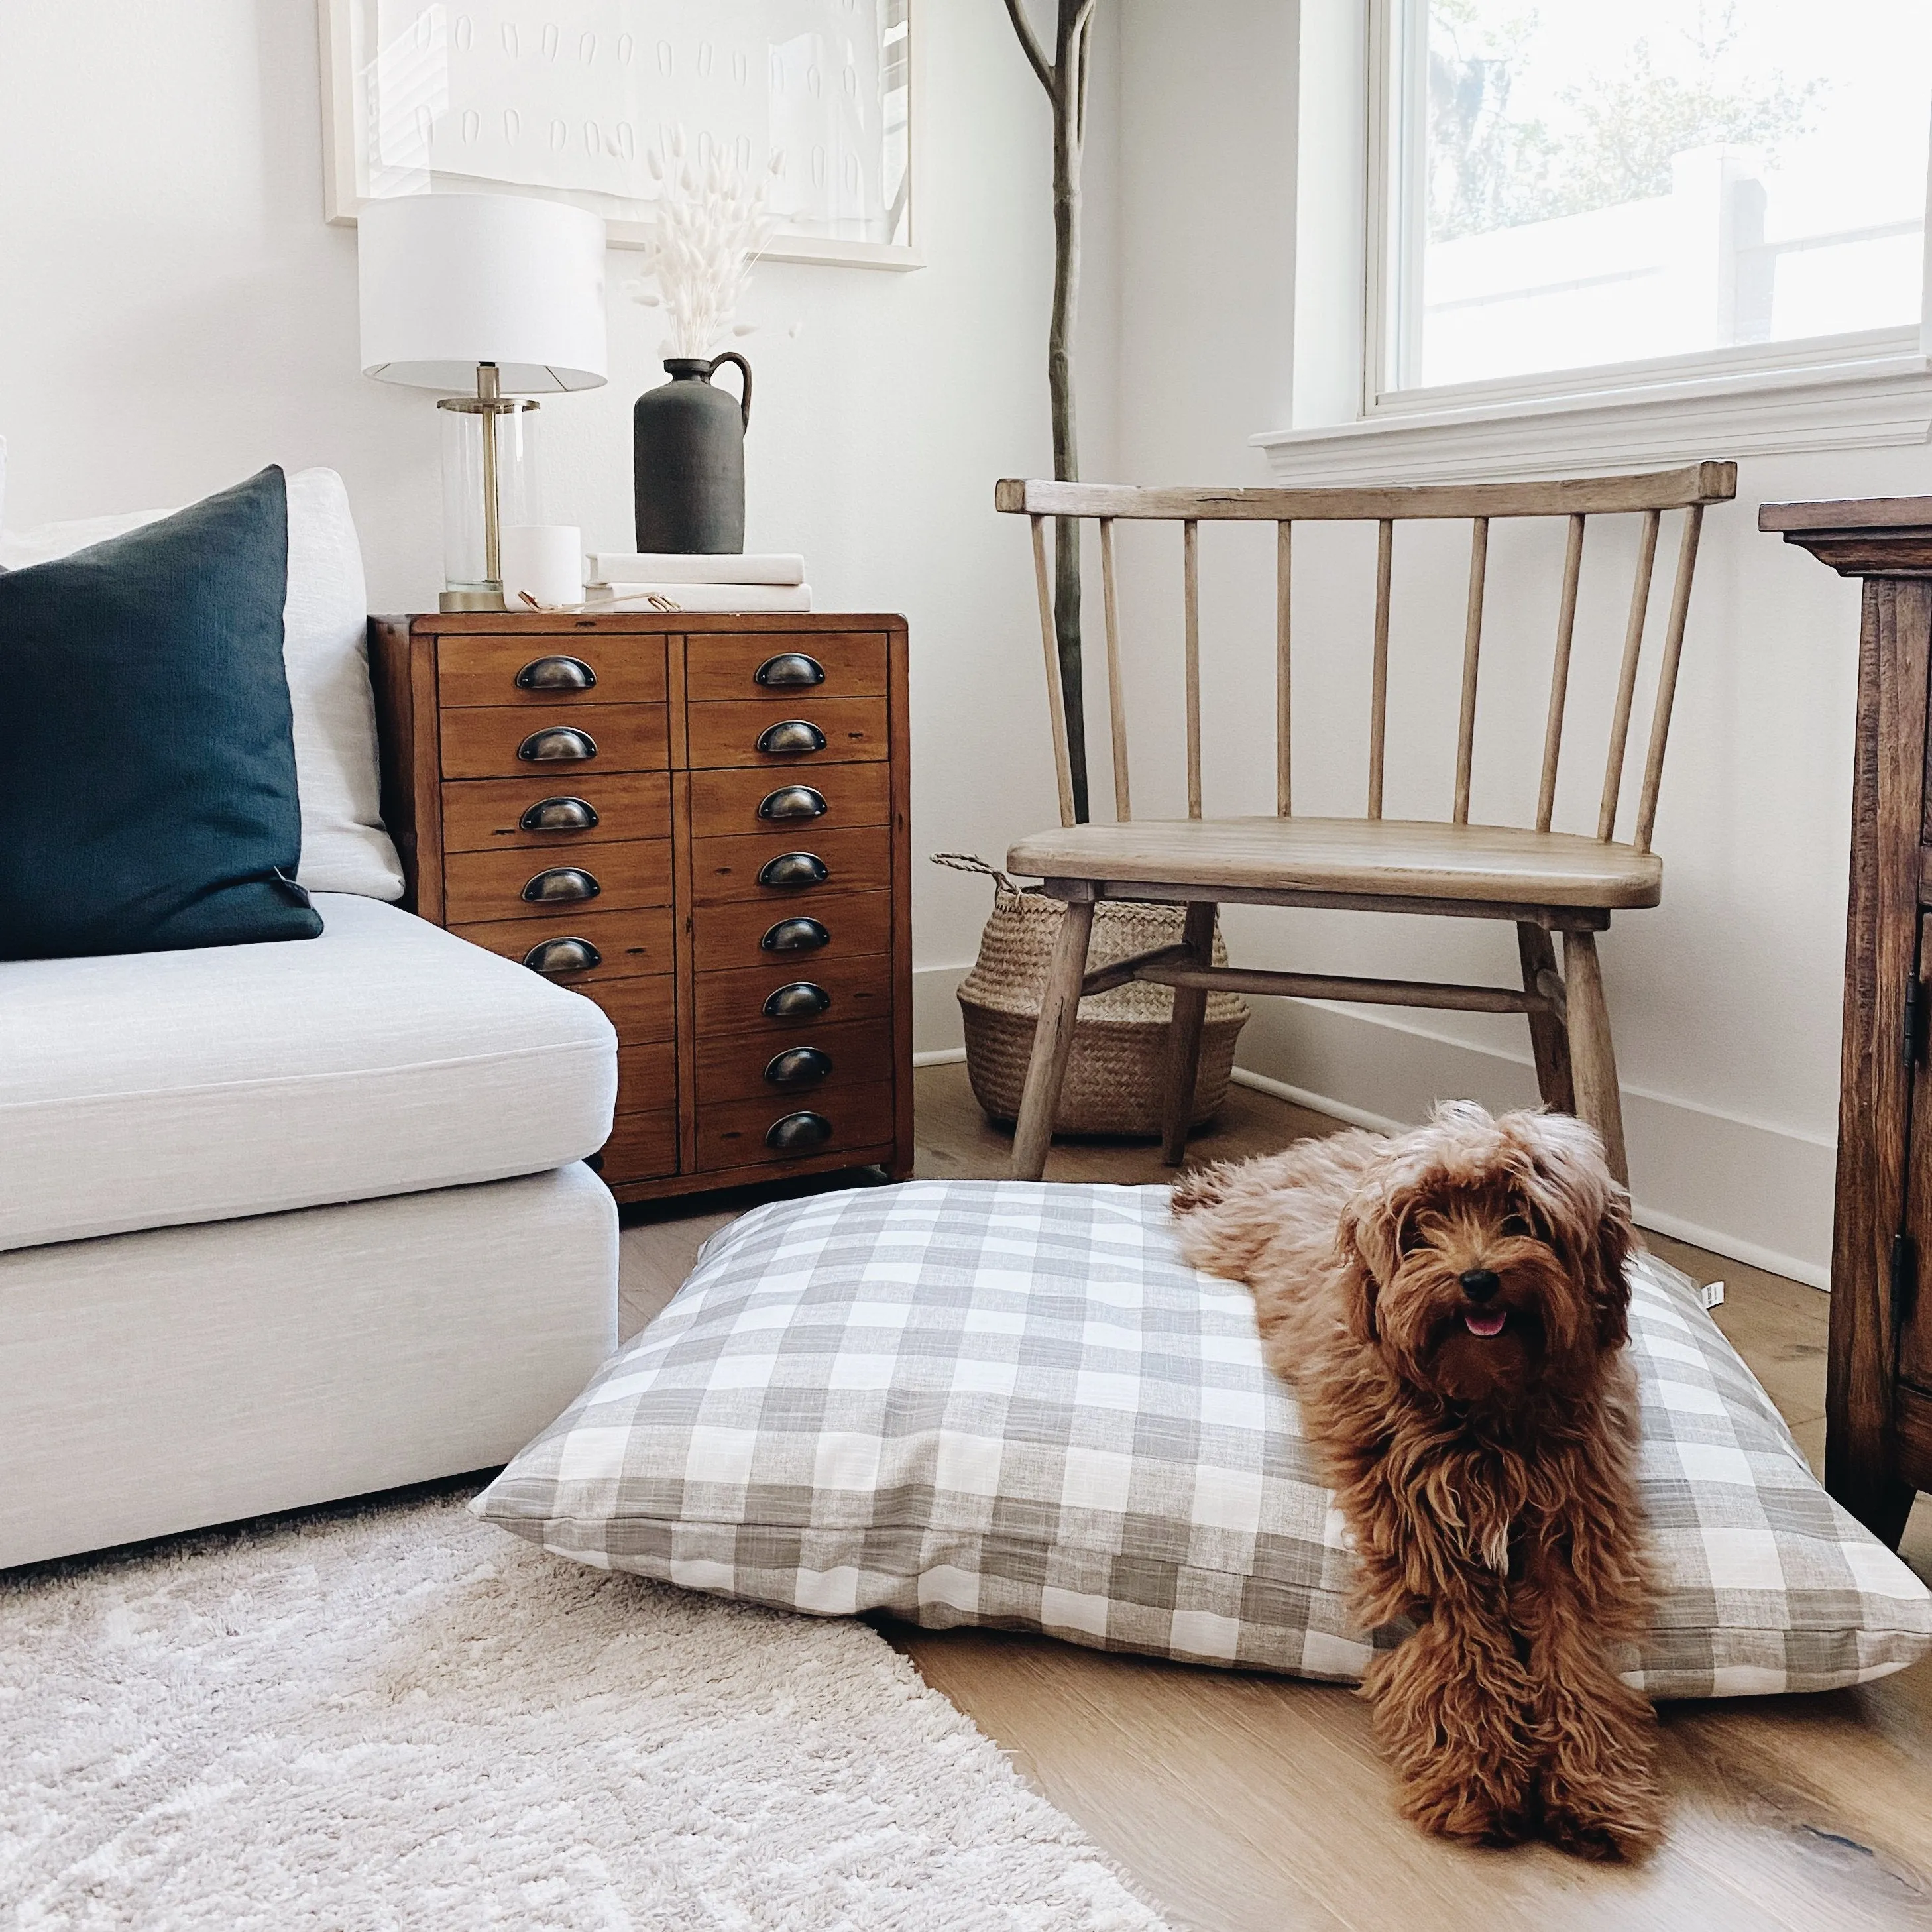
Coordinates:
x,y
1064,78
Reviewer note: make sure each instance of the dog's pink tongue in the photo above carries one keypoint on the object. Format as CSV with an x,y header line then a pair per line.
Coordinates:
x,y
1485,1322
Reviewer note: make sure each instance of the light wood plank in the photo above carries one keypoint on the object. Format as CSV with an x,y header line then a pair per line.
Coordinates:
x,y
1190,573
1388,858
1613,763
1378,675
1657,489
1559,674
1472,652
1284,682
1666,678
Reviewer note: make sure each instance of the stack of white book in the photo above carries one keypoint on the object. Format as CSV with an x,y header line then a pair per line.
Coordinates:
x,y
693,581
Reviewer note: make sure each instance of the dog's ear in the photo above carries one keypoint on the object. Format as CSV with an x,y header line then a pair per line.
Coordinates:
x,y
1368,1251
1587,1209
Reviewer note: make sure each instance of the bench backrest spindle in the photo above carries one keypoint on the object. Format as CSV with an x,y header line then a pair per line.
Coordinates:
x,y
1378,673
1648,496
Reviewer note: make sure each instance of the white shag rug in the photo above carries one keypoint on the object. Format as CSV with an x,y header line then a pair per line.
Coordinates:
x,y
403,1718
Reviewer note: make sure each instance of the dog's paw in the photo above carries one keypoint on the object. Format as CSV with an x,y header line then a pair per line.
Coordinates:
x,y
1470,1815
1610,1827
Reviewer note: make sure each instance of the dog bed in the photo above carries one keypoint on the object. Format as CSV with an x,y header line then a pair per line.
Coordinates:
x,y
1008,1404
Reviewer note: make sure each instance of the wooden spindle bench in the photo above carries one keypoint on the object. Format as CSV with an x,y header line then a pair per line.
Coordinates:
x,y
1546,881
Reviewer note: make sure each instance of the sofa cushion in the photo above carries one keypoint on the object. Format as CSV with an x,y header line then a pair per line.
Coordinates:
x,y
1005,1403
325,650
151,1089
148,785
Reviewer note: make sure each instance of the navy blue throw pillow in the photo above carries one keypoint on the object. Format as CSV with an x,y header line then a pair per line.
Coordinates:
x,y
147,763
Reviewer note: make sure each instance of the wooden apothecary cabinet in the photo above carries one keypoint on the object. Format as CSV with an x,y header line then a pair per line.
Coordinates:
x,y
700,823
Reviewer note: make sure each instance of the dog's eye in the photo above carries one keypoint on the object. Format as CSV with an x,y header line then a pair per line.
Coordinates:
x,y
1517,1222
1410,1239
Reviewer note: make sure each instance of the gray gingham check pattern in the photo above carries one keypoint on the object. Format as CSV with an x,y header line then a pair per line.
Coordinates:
x,y
1003,1403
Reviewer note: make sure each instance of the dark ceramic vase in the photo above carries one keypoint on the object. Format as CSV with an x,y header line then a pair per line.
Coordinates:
x,y
687,448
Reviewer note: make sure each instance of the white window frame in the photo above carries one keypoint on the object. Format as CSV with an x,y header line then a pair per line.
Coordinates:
x,y
1853,391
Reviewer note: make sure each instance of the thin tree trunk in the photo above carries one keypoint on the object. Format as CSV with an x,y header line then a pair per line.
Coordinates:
x,y
1065,81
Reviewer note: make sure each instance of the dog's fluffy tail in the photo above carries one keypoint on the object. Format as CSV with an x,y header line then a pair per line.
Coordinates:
x,y
1198,1187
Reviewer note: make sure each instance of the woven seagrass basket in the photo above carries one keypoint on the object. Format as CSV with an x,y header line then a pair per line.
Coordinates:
x,y
1118,1071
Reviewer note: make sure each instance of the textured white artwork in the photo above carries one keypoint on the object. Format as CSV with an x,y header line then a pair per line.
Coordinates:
x,y
571,100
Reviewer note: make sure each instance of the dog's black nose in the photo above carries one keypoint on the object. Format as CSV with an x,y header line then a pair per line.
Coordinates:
x,y
1481,1284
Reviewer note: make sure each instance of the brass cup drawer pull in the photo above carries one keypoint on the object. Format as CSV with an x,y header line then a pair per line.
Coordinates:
x,y
789,667
556,674
793,802
557,884
791,870
557,744
559,815
563,955
798,1066
800,1000
792,734
795,935
798,1133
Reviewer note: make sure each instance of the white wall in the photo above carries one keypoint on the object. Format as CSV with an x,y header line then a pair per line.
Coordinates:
x,y
1726,999
174,313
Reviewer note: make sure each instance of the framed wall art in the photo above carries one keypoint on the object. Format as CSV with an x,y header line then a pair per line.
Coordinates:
x,y
571,99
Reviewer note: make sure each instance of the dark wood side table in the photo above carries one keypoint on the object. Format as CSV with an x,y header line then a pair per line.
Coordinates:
x,y
1878,1426
700,823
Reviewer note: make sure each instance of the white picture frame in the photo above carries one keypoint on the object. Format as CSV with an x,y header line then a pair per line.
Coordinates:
x,y
566,99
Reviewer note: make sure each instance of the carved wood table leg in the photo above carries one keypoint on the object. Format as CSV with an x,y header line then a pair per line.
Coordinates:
x,y
1184,1037
1593,1061
1052,1042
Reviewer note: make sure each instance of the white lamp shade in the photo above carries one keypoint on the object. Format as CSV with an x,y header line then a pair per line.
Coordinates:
x,y
450,280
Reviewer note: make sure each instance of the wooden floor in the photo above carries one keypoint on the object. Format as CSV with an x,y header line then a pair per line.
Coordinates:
x,y
1241,1803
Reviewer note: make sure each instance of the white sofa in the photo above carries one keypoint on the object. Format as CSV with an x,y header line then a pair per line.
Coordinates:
x,y
284,1223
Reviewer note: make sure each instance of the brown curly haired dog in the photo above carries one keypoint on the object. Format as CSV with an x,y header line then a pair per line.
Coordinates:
x,y
1451,1307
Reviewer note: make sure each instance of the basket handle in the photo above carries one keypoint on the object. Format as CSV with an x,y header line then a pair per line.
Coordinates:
x,y
971,861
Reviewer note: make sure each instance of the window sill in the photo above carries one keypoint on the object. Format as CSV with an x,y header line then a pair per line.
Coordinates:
x,y
1867,404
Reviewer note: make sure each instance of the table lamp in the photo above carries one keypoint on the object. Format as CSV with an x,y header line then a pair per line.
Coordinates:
x,y
501,295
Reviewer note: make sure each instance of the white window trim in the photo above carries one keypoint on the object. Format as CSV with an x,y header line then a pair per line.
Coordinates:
x,y
1850,392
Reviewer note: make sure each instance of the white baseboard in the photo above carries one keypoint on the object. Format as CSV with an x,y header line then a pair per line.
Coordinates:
x,y
1753,1191
940,1056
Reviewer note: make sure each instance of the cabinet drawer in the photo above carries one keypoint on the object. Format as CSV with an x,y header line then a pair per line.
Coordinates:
x,y
553,885
554,743
751,932
736,1002
730,734
643,1010
498,814
857,860
775,806
646,1077
641,1147
850,664
740,1133
816,1059
615,945
555,668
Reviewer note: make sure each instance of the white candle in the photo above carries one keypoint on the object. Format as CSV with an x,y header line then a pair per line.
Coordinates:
x,y
544,561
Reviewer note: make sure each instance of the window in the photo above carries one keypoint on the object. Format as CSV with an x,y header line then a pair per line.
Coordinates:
x,y
1566,187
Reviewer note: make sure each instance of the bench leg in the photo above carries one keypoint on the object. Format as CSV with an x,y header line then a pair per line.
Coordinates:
x,y
1549,1040
1593,1061
1052,1042
1184,1038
